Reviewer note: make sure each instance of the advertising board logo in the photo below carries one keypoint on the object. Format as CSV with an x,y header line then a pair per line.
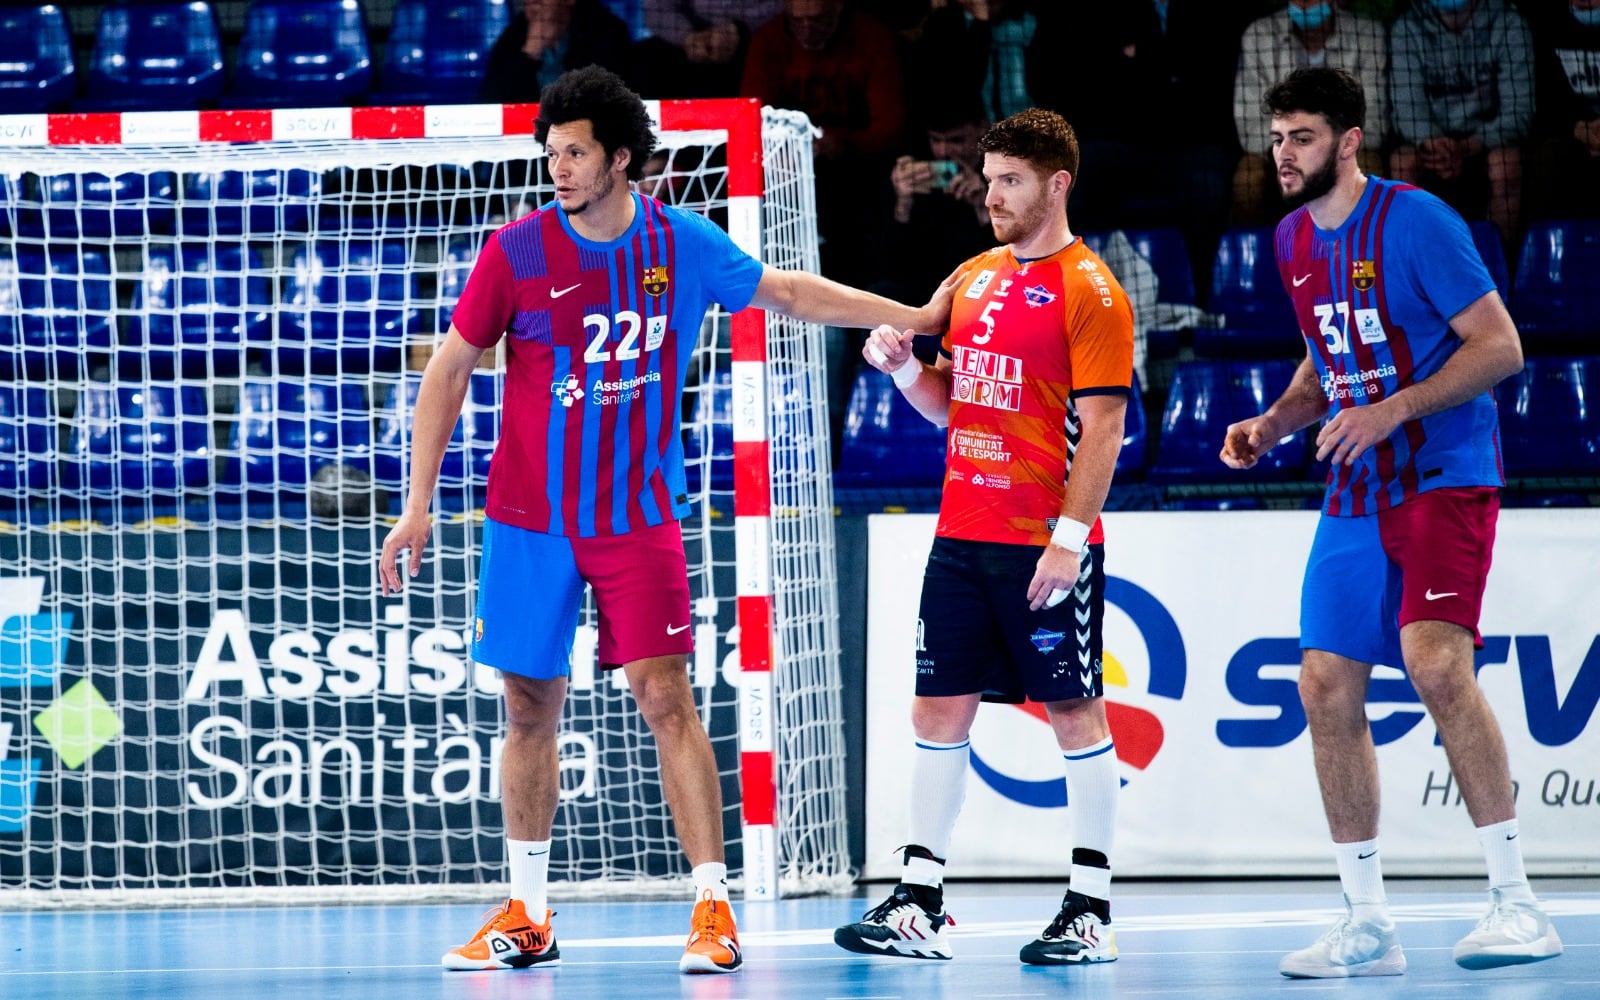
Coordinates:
x,y
1137,732
75,725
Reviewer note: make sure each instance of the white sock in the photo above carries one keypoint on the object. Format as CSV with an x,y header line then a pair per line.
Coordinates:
x,y
1503,851
1092,786
1361,875
712,876
530,871
938,787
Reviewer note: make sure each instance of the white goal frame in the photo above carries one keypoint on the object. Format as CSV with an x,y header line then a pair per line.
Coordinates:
x,y
790,750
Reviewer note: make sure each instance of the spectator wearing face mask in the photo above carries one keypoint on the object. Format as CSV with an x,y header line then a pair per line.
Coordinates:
x,y
1306,33
1463,101
1566,172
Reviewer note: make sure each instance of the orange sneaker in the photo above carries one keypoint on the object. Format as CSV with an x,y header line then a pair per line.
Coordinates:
x,y
713,940
509,940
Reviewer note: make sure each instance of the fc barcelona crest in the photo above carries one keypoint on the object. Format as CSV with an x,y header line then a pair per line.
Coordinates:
x,y
655,280
1363,274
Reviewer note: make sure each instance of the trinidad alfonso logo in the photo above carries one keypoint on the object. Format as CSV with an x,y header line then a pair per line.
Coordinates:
x,y
1137,731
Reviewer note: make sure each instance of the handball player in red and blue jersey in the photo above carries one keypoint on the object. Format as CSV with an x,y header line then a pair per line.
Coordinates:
x,y
1405,336
599,297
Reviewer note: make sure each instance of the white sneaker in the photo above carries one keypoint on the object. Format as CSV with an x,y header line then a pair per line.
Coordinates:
x,y
1349,948
898,926
1511,933
1075,936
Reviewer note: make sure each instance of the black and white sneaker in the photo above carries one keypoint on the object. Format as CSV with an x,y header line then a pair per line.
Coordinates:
x,y
1077,935
898,926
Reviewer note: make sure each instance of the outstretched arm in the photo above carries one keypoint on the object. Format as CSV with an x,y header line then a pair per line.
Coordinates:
x,y
816,299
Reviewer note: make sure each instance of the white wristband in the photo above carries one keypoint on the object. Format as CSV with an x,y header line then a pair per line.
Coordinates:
x,y
908,373
1070,534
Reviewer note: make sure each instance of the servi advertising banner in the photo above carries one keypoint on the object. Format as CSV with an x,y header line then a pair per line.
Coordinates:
x,y
1201,660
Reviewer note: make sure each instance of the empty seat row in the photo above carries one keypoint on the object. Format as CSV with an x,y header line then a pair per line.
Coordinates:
x,y
167,56
262,203
129,444
345,305
1554,297
1550,427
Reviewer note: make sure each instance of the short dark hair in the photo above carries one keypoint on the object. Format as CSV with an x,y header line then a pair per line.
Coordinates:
x,y
1041,137
597,95
1332,93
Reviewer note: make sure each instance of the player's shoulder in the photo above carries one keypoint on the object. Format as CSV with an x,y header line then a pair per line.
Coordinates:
x,y
992,259
1408,203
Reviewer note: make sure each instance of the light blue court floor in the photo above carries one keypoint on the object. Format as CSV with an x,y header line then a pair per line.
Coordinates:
x,y
1215,941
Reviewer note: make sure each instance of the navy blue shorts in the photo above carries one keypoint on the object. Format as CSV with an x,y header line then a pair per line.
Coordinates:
x,y
977,635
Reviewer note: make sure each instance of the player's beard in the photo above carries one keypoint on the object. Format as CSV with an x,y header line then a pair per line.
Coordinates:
x,y
1019,225
1313,185
599,192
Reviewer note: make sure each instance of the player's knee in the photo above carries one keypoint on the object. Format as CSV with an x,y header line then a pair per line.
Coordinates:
x,y
1330,693
940,720
532,704
1440,680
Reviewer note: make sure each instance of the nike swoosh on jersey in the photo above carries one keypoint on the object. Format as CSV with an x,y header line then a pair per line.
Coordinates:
x,y
1301,280
671,630
554,294
1430,595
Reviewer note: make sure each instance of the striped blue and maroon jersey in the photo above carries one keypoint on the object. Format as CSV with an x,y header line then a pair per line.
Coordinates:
x,y
1374,299
600,336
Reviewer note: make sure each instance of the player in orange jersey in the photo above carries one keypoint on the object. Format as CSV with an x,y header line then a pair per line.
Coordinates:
x,y
1033,381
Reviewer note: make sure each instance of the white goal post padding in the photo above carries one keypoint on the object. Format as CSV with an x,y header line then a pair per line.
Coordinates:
x,y
212,326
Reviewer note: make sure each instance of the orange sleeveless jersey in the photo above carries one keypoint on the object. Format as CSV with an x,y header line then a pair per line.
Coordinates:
x,y
1023,338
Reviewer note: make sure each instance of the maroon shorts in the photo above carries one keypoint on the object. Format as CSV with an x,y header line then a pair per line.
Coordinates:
x,y
1442,541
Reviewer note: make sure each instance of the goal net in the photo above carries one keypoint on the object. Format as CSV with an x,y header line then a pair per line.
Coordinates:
x,y
212,329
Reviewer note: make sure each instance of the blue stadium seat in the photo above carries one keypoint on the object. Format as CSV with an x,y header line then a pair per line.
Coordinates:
x,y
1246,288
1556,297
27,445
101,206
887,444
130,442
64,301
155,57
1135,439
287,430
302,53
36,67
391,461
437,50
708,436
1207,396
205,302
1487,239
233,202
347,307
1166,251
1550,418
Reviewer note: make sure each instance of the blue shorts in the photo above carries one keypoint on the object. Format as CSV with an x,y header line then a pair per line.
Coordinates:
x,y
1368,577
978,636
530,589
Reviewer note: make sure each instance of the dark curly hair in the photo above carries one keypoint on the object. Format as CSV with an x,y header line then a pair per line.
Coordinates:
x,y
1332,93
1043,138
599,96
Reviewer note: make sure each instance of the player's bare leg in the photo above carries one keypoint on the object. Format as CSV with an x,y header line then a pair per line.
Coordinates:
x,y
693,789
1516,929
519,934
1333,690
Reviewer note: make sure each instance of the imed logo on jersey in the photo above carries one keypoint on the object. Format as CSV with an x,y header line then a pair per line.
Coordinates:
x,y
655,280
1363,274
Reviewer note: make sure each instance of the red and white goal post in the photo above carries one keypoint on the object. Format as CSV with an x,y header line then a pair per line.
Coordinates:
x,y
209,323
